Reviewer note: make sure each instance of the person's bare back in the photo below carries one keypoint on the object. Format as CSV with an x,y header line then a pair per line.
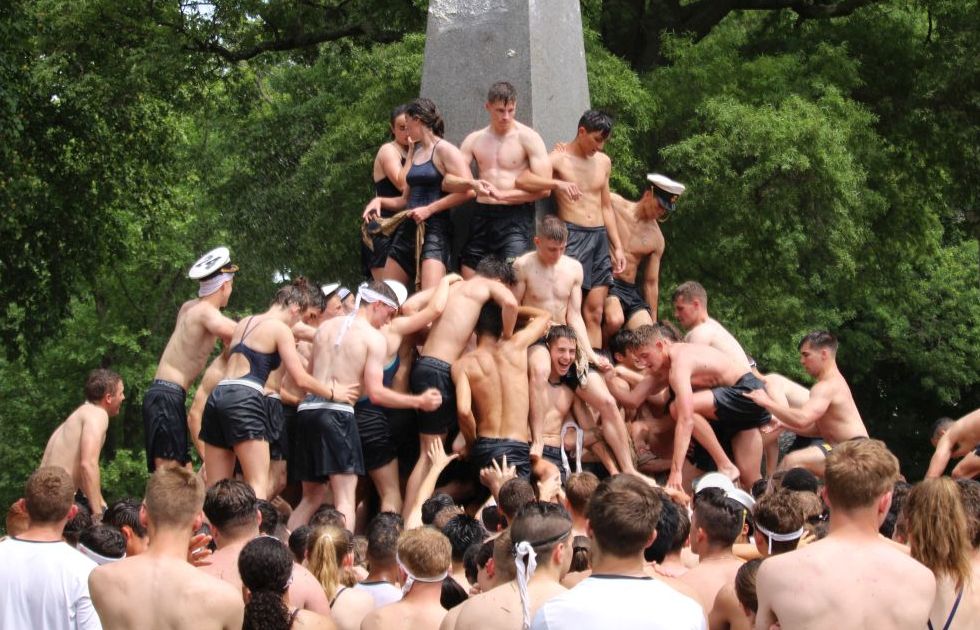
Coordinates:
x,y
199,324
709,577
84,429
864,583
711,333
149,592
449,334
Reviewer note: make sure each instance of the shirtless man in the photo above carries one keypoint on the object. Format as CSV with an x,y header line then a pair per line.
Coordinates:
x,y
587,209
445,344
350,349
552,281
542,530
715,524
719,382
199,323
829,413
424,556
77,442
638,222
824,585
504,219
233,511
961,439
159,589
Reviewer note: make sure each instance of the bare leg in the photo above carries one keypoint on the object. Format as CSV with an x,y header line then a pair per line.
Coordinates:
x,y
344,488
422,467
277,477
394,271
314,494
386,483
538,371
597,395
432,272
704,410
612,317
378,273
592,314
813,458
770,446
639,318
220,463
254,457
747,448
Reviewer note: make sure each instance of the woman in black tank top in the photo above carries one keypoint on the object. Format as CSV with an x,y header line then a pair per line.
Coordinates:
x,y
390,168
432,158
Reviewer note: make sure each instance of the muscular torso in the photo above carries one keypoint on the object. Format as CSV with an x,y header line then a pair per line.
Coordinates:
x,y
640,238
591,174
500,158
450,332
499,385
711,333
547,287
289,391
559,399
344,363
164,594
842,420
709,367
189,346
64,445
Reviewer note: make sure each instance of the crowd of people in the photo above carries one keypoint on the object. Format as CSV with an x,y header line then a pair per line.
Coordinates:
x,y
521,444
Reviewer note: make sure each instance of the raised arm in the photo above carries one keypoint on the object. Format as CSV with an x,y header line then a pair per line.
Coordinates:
x,y
959,440
408,324
390,161
438,461
503,296
803,419
537,325
94,428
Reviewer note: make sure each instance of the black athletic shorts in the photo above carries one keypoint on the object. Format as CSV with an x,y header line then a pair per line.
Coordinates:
x,y
590,246
486,450
235,412
377,442
553,455
289,435
404,425
802,441
165,422
278,441
327,439
698,455
629,297
737,411
498,230
437,245
431,372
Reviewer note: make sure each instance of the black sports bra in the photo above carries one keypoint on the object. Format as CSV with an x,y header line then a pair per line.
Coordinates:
x,y
260,364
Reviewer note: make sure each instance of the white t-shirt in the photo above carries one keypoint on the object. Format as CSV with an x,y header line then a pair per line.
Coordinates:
x,y
384,593
622,603
45,585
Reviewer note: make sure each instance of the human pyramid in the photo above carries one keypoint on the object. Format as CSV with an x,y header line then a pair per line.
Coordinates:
x,y
484,451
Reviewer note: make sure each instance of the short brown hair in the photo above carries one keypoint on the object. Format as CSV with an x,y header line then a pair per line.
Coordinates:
x,y
49,494
553,229
858,473
819,340
425,552
690,291
780,512
231,506
99,383
174,497
970,493
578,489
623,514
502,92
504,566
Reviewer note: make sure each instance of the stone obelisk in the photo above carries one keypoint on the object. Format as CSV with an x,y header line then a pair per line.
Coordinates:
x,y
536,45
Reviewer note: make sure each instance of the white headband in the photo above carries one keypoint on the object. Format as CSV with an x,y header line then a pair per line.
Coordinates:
x,y
98,558
779,537
364,294
525,571
214,283
411,579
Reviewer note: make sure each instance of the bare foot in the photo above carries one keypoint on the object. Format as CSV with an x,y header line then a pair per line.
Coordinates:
x,y
731,471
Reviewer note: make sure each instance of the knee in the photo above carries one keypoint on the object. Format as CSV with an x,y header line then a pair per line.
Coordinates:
x,y
592,312
614,320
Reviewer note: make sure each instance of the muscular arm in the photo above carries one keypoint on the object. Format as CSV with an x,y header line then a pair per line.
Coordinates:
x,y
415,322
680,382
374,379
90,446
802,419
961,438
463,181
464,403
651,283
612,227
221,326
286,346
303,331
503,296
539,319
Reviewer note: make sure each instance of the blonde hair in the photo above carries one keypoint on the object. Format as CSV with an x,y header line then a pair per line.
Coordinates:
x,y
174,497
858,473
936,526
425,552
325,552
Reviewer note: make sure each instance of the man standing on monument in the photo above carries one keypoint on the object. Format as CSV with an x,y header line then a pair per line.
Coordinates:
x,y
504,220
593,235
199,323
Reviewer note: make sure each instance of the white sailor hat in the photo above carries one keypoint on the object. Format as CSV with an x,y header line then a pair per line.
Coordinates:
x,y
401,293
666,184
343,293
215,261
330,288
723,483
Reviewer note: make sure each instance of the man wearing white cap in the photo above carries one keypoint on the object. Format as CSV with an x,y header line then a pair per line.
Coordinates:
x,y
345,350
199,323
638,223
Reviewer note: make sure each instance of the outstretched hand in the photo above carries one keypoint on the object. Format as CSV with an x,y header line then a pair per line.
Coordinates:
x,y
437,455
496,475
759,397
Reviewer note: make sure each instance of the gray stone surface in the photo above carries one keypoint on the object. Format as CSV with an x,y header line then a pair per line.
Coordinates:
x,y
536,45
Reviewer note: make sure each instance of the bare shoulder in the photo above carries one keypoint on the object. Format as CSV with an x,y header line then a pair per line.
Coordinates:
x,y
603,160
529,136
308,620
569,265
522,261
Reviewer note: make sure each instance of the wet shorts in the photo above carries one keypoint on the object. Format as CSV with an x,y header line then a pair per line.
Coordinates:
x,y
289,435
437,245
737,411
327,440
629,297
165,422
802,441
590,246
431,372
377,442
699,456
405,434
498,230
236,412
375,258
279,445
486,450
553,454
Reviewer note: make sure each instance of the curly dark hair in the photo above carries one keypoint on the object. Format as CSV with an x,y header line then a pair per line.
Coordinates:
x,y
265,566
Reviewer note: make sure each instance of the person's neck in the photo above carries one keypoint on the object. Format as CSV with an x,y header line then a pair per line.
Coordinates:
x,y
700,319
645,209
486,342
428,139
546,572
237,538
383,574
580,524
715,552
575,148
829,371
169,543
672,559
861,524
43,532
607,564
424,593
